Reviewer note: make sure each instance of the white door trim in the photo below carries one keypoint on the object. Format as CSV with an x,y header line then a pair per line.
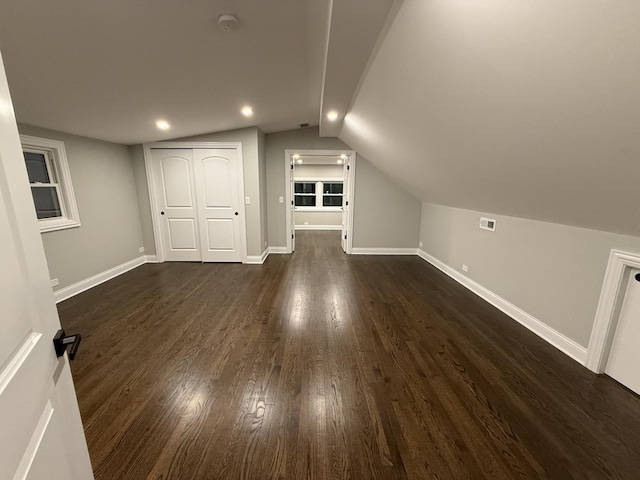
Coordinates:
x,y
349,197
611,297
153,195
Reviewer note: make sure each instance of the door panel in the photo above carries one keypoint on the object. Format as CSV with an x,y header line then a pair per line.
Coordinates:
x,y
217,184
41,433
182,234
216,173
174,176
220,234
625,349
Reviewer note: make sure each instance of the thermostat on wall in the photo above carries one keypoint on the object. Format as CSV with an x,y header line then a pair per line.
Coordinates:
x,y
488,224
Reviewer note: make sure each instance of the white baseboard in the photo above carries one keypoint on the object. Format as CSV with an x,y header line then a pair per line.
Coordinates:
x,y
258,259
87,283
278,250
151,259
318,227
383,251
555,338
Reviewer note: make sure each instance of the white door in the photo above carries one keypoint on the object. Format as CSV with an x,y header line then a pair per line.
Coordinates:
x,y
292,208
624,359
345,203
41,433
173,172
219,212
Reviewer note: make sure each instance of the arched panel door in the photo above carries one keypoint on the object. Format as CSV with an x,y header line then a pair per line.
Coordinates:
x,y
216,173
177,204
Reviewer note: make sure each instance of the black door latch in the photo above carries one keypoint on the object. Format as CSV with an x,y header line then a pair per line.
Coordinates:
x,y
60,343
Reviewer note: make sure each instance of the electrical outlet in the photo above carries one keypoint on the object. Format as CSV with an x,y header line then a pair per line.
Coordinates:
x,y
247,200
420,244
281,199
488,224
141,250
54,282
465,268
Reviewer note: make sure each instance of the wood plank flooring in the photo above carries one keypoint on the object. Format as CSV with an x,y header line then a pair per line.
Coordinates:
x,y
327,366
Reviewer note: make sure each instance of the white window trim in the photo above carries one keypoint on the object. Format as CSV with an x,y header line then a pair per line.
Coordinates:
x,y
57,154
319,193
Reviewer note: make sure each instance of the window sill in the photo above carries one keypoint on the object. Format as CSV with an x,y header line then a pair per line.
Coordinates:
x,y
58,224
318,209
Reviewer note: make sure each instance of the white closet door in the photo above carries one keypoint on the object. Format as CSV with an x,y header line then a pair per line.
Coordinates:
x,y
216,173
177,203
625,349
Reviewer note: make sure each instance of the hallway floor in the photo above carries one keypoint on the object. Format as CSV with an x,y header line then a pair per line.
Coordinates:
x,y
319,365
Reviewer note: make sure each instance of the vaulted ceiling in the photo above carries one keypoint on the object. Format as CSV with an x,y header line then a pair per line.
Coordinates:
x,y
110,70
528,108
525,108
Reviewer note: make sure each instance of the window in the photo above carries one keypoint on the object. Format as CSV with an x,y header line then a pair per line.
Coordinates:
x,y
332,194
305,194
318,195
50,181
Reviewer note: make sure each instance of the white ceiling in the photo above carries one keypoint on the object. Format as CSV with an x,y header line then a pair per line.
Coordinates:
x,y
109,70
524,108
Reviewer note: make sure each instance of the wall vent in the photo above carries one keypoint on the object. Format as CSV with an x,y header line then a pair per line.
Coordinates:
x,y
304,125
488,224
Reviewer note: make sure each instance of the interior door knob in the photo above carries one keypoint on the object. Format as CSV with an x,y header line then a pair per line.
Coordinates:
x,y
638,277
161,213
236,213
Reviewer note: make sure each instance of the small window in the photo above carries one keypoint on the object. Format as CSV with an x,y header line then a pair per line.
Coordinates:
x,y
332,194
305,194
50,182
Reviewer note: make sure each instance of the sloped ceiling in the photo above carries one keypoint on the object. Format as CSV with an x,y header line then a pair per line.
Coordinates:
x,y
526,108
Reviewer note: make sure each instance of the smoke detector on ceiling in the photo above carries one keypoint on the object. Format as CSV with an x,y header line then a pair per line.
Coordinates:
x,y
227,22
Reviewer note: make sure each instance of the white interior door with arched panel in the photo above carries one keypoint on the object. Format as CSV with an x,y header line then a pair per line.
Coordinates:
x,y
41,434
176,198
348,160
219,204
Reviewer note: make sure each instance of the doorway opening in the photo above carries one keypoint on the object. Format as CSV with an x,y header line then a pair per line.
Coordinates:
x,y
320,193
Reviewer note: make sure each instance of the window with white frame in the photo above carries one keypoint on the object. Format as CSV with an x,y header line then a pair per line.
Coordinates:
x,y
50,182
318,195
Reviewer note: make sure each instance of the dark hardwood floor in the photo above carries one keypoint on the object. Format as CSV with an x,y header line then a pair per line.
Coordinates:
x,y
323,365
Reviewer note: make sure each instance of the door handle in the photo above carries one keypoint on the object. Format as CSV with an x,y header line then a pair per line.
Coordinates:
x,y
61,342
236,213
638,277
161,213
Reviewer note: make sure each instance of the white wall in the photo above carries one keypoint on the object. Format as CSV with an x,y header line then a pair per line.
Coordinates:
x,y
103,180
551,271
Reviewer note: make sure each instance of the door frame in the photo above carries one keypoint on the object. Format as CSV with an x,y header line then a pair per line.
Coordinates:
x,y
611,299
350,193
153,194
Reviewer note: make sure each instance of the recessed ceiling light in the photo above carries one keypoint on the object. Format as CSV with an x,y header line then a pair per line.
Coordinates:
x,y
339,161
163,125
247,111
299,160
343,156
296,156
332,115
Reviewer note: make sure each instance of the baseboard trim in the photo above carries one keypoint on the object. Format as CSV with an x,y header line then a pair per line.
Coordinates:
x,y
151,259
258,259
278,250
555,338
383,251
87,283
318,227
